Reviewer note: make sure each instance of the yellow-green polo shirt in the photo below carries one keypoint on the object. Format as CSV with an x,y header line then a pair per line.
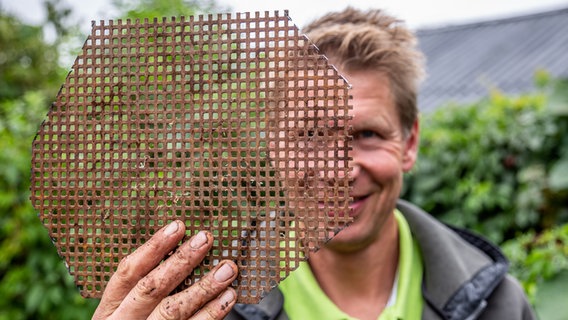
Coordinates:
x,y
304,299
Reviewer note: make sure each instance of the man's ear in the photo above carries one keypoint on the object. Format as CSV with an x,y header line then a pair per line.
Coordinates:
x,y
411,147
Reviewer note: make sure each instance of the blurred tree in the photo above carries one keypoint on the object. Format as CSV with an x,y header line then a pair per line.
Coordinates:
x,y
498,166
27,62
34,283
140,9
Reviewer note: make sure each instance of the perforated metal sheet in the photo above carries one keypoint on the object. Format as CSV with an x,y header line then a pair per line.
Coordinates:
x,y
232,123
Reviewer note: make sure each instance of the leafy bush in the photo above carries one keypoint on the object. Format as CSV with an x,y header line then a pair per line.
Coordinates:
x,y
537,258
499,166
34,283
540,262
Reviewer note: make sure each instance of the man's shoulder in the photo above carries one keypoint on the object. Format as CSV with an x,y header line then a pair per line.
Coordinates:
x,y
465,274
508,301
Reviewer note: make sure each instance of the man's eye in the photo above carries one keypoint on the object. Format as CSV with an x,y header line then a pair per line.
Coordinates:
x,y
365,134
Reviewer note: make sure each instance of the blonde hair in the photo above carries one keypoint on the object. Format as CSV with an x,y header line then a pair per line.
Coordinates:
x,y
361,40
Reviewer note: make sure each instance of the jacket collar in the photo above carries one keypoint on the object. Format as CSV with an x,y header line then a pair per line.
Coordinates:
x,y
454,288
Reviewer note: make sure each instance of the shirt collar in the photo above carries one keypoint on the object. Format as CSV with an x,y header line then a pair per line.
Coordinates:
x,y
304,299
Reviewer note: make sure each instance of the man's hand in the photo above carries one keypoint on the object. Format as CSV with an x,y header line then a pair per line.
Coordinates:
x,y
140,286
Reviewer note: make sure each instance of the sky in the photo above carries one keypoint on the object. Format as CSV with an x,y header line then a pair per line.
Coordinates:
x,y
416,13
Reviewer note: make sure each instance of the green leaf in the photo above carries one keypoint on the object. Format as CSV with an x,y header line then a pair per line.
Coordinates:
x,y
558,177
34,297
558,102
550,302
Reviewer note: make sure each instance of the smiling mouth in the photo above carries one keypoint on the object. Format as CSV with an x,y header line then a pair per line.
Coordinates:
x,y
357,203
358,199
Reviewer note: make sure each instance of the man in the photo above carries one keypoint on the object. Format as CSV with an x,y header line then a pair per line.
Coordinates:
x,y
393,262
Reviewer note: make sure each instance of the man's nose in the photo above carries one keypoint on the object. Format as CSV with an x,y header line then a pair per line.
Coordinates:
x,y
354,170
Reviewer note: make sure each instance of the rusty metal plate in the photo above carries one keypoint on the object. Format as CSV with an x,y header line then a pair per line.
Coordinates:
x,y
231,123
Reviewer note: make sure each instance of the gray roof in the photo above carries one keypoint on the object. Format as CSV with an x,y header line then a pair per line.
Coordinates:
x,y
464,62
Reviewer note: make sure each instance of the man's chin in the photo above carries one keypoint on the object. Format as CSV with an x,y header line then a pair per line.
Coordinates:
x,y
346,241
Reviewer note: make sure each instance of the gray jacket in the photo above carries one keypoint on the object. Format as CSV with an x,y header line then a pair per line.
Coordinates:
x,y
465,277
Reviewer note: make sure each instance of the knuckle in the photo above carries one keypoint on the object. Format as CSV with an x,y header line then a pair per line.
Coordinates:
x,y
149,288
214,311
153,244
170,309
127,269
182,256
205,286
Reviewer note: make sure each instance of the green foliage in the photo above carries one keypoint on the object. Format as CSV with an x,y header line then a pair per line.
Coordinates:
x,y
26,60
540,261
537,257
34,283
550,301
498,166
140,9
558,107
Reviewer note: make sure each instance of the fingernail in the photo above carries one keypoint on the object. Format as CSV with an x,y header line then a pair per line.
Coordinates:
x,y
171,228
224,273
199,240
227,297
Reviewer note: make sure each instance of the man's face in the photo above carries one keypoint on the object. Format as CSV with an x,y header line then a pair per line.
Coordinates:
x,y
381,154
308,148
